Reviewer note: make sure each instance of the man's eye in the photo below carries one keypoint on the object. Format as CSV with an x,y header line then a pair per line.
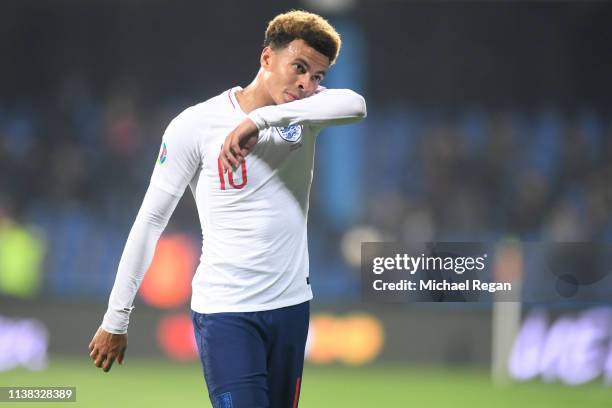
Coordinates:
x,y
299,68
318,78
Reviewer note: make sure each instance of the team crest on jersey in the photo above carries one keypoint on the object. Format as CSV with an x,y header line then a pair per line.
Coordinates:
x,y
163,154
291,133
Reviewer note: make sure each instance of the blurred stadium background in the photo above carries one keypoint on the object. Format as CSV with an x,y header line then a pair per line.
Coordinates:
x,y
487,121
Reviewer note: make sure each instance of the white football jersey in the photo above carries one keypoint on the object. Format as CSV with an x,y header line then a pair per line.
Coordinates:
x,y
255,250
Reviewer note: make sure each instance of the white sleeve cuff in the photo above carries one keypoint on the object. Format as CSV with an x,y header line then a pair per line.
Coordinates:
x,y
116,321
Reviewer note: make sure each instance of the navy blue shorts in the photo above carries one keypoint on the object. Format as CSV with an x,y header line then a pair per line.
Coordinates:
x,y
253,359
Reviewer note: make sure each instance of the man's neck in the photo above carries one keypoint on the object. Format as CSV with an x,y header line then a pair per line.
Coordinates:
x,y
254,95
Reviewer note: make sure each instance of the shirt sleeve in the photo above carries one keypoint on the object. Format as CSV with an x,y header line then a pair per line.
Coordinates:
x,y
157,207
179,156
328,107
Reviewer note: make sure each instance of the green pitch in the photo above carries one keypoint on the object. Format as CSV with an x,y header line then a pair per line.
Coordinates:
x,y
141,383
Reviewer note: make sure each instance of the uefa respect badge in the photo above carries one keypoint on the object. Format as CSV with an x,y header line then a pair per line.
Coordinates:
x,y
291,133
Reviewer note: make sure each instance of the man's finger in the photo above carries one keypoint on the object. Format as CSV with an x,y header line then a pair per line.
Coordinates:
x,y
231,163
250,144
251,141
224,164
100,360
225,159
237,161
108,363
232,149
121,356
93,354
229,155
222,161
236,149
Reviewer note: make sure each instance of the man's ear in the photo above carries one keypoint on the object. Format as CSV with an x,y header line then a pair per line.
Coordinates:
x,y
266,57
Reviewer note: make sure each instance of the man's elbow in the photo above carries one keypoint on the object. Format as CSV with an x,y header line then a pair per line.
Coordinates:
x,y
358,105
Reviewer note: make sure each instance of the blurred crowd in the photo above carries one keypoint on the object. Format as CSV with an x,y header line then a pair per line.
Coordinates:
x,y
479,174
75,169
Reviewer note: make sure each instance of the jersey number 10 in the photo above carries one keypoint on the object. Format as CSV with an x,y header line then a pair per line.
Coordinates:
x,y
230,176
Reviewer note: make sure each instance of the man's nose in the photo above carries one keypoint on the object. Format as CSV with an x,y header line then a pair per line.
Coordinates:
x,y
306,84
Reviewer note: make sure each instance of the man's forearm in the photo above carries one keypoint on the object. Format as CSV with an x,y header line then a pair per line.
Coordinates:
x,y
156,209
327,108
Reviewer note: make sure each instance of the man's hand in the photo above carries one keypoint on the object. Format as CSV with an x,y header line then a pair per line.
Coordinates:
x,y
105,347
238,145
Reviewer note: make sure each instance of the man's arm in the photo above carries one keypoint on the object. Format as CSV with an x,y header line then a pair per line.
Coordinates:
x,y
157,208
328,107
178,162
110,341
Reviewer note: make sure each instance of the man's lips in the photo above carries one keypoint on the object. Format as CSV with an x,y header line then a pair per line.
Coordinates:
x,y
292,96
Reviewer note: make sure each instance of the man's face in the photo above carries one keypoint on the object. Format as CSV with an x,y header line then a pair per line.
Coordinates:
x,y
293,72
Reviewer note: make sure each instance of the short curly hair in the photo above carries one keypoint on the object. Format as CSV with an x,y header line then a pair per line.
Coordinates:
x,y
310,27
